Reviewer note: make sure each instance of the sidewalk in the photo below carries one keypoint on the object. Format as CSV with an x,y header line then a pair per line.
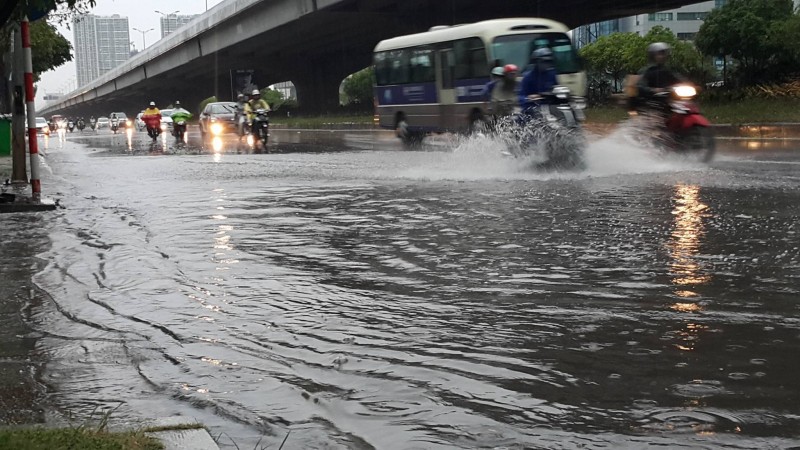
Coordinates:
x,y
17,198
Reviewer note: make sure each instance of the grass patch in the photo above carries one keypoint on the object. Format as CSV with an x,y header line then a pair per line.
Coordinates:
x,y
75,438
753,110
332,121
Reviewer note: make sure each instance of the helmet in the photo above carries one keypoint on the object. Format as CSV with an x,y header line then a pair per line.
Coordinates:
x,y
256,92
152,103
177,103
509,68
656,48
240,96
543,54
497,71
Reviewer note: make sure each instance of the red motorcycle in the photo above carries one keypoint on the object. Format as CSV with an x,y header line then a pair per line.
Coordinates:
x,y
680,126
153,124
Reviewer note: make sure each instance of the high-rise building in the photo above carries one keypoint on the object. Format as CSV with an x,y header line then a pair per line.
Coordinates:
x,y
171,22
101,44
685,22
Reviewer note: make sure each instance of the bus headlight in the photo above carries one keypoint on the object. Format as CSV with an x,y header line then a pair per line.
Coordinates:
x,y
216,128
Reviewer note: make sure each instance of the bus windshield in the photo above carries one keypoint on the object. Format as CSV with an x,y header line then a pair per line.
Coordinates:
x,y
517,48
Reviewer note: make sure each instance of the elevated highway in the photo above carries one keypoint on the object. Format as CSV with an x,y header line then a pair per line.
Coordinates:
x,y
313,43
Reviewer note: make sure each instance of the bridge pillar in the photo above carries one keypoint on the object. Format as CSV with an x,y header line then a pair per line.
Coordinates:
x,y
318,90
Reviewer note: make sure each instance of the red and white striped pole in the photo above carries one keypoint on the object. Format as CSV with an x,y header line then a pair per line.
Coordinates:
x,y
36,184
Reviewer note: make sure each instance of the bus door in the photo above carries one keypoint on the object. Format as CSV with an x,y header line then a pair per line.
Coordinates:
x,y
445,63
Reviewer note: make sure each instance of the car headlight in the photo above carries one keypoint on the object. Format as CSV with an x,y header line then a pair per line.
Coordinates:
x,y
216,128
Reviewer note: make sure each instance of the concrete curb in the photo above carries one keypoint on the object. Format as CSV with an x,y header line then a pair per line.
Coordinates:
x,y
175,433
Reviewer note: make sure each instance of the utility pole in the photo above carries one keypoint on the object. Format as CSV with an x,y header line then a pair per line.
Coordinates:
x,y
19,171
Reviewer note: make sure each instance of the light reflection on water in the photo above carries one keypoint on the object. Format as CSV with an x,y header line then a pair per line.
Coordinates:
x,y
687,236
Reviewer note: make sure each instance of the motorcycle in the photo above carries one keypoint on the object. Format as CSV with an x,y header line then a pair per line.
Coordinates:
x,y
676,124
179,130
93,124
81,125
550,135
153,124
260,130
114,125
70,126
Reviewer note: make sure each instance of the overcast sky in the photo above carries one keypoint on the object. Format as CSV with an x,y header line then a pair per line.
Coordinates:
x,y
141,14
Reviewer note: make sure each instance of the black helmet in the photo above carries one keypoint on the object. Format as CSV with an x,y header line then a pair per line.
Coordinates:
x,y
655,48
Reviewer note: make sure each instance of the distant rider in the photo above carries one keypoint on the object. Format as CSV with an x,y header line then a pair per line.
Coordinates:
x,y
495,76
152,119
504,93
239,116
657,78
250,108
538,79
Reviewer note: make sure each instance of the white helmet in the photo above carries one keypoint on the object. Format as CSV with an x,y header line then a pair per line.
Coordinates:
x,y
256,92
497,71
152,103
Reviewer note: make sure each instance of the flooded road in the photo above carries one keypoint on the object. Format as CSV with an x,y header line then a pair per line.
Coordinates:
x,y
352,294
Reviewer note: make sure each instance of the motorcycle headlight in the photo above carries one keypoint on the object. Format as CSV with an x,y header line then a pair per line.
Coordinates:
x,y
127,123
685,91
163,126
216,128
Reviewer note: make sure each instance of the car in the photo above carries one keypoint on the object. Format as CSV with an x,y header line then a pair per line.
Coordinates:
x,y
140,125
217,118
42,127
166,119
103,122
124,122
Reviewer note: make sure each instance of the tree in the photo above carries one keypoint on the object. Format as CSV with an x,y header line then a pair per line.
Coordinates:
x,y
614,56
358,86
745,31
49,48
273,97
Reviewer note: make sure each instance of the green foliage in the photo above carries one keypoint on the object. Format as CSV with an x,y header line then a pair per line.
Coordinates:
x,y
203,104
75,438
756,34
49,48
615,56
273,98
358,86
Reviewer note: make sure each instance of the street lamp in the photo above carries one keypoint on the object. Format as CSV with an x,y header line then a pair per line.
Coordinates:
x,y
144,45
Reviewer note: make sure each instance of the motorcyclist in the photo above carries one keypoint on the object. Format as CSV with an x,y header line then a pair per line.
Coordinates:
x,y
179,114
152,119
250,108
239,116
538,79
92,122
656,79
495,76
504,93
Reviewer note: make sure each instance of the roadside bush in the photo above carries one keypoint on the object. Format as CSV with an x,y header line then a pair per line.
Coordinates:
x,y
203,104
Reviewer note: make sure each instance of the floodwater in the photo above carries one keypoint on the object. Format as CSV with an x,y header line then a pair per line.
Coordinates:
x,y
351,294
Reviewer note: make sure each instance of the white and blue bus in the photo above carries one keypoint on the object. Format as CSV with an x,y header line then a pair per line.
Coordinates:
x,y
433,81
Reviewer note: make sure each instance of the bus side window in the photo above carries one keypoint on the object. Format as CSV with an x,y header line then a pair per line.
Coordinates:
x,y
467,55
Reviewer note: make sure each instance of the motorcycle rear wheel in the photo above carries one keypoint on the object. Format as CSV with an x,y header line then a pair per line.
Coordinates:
x,y
699,142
